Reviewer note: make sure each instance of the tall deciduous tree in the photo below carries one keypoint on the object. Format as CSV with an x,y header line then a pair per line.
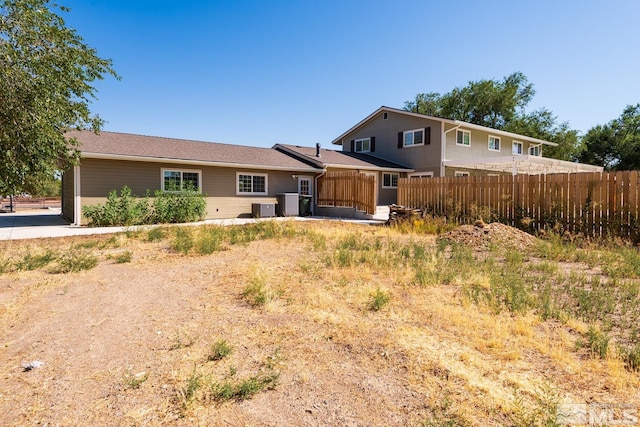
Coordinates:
x,y
616,145
46,76
492,103
500,104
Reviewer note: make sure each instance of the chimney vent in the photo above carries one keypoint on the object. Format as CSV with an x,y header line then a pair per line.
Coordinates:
x,y
318,149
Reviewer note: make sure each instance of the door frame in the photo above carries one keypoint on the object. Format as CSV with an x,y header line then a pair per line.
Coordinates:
x,y
311,189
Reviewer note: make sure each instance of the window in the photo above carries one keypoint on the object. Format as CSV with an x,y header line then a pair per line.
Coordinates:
x,y
517,147
535,150
421,175
463,137
179,180
251,183
413,137
362,145
385,115
494,143
390,180
460,173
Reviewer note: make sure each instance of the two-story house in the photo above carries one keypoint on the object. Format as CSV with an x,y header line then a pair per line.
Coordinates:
x,y
433,146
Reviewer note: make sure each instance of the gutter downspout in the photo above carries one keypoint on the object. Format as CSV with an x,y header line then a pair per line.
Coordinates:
x,y
444,146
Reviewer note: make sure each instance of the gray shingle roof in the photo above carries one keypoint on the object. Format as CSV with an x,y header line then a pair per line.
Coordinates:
x,y
334,158
116,144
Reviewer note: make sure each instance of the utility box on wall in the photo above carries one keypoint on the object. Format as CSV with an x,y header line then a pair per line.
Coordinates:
x,y
263,210
287,204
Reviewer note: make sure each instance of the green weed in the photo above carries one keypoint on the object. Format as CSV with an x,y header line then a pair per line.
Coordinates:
x,y
219,350
76,261
378,299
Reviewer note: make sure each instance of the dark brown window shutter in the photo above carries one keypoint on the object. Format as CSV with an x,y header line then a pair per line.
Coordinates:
x,y
400,139
353,145
373,144
427,136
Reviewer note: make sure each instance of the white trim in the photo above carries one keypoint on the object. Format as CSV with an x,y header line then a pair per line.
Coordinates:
x,y
533,147
311,188
521,148
463,132
427,174
413,144
495,138
340,140
77,196
361,140
253,193
198,171
391,186
88,155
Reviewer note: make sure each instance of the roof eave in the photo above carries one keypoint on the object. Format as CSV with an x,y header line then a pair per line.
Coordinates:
x,y
103,156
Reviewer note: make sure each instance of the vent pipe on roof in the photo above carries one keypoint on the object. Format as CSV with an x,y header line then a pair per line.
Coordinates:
x,y
318,149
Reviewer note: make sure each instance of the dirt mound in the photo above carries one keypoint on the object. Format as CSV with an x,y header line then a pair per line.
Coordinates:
x,y
480,236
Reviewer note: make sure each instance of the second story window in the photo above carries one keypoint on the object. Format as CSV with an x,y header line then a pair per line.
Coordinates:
x,y
463,137
413,137
362,145
535,150
494,143
517,147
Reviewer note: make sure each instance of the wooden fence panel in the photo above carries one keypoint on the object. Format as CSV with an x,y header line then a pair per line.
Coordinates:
x,y
347,189
596,204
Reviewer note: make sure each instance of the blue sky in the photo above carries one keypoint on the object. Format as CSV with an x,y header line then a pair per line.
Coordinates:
x,y
300,72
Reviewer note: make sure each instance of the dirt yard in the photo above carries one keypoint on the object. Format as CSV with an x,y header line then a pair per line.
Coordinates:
x,y
129,343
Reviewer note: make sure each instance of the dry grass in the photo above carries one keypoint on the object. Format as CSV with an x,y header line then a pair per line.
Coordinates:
x,y
132,343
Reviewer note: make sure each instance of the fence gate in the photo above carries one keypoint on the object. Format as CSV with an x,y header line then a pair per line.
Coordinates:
x,y
347,189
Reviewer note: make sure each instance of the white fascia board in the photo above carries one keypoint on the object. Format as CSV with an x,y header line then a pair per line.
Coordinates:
x,y
195,162
338,140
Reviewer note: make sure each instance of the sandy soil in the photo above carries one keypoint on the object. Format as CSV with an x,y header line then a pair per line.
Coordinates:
x,y
339,364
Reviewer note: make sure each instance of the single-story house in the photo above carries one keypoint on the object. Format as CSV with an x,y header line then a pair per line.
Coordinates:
x,y
233,177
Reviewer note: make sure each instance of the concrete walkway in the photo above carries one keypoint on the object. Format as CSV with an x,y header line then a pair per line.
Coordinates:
x,y
43,223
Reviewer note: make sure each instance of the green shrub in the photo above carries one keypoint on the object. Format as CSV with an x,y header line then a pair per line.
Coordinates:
x,y
178,207
124,209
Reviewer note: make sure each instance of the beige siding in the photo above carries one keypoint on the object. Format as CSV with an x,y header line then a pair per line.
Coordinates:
x,y
219,184
420,157
67,195
479,146
451,171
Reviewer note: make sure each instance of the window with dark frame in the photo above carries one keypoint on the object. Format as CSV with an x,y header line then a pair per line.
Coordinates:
x,y
390,180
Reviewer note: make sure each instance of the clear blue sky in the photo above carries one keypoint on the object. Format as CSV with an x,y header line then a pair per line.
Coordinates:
x,y
300,72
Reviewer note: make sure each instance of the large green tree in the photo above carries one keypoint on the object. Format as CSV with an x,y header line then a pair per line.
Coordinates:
x,y
615,145
492,103
46,77
500,104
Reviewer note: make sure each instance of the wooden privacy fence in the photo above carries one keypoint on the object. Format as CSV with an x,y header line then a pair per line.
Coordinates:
x,y
347,189
596,204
